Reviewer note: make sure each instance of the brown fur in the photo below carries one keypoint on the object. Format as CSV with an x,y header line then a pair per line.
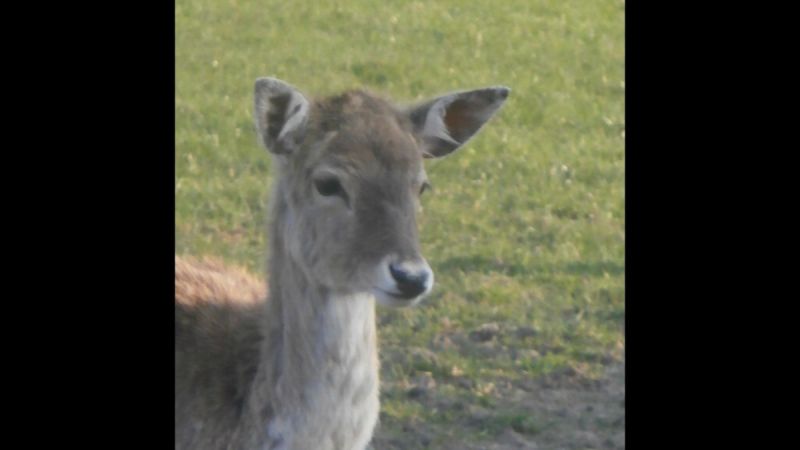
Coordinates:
x,y
208,279
217,329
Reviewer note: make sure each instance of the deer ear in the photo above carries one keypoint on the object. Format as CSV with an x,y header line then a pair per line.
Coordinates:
x,y
281,113
448,122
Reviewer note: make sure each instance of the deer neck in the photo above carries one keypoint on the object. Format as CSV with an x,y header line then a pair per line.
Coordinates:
x,y
320,357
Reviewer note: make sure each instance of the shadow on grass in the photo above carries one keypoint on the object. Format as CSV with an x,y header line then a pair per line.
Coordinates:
x,y
478,263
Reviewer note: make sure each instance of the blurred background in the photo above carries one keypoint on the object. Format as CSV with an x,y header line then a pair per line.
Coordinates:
x,y
521,344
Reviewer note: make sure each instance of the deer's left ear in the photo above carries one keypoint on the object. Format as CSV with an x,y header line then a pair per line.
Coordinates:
x,y
448,122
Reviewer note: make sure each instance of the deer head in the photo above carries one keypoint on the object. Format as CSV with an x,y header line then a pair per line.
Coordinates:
x,y
350,176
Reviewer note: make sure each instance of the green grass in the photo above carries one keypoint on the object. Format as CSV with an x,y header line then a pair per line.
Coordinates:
x,y
525,226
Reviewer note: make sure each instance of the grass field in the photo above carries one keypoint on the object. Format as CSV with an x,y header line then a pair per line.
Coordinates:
x,y
524,228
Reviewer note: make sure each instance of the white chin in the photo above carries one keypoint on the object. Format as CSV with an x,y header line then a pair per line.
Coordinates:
x,y
386,299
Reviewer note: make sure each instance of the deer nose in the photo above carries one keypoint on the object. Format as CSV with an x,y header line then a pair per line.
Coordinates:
x,y
411,279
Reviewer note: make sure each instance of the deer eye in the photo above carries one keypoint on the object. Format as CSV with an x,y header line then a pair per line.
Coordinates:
x,y
328,186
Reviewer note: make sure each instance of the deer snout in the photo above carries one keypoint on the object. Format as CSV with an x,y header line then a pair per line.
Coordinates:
x,y
410,281
403,283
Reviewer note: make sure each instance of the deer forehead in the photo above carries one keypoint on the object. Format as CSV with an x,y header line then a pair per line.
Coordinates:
x,y
366,136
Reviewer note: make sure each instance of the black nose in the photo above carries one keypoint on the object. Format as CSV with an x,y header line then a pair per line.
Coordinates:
x,y
410,284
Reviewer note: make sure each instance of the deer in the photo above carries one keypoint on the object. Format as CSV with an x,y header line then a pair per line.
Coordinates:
x,y
293,363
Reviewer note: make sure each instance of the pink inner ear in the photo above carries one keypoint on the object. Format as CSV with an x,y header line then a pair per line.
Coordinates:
x,y
455,117
460,121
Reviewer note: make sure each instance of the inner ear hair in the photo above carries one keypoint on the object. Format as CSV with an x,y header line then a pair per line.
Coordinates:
x,y
281,113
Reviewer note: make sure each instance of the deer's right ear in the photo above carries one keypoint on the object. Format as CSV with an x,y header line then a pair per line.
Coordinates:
x,y
281,113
